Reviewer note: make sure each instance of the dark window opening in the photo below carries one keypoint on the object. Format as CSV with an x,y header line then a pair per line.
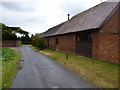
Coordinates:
x,y
48,42
84,37
56,41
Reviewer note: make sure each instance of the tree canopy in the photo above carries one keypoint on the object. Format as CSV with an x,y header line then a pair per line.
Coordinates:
x,y
9,33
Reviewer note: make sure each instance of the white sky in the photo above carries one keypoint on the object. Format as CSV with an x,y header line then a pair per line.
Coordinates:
x,y
36,16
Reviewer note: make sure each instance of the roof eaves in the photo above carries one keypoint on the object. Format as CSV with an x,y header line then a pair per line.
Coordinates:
x,y
51,34
88,30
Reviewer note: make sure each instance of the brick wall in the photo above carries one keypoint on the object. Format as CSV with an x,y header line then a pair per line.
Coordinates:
x,y
95,44
67,43
106,42
108,47
119,35
11,43
51,42
46,42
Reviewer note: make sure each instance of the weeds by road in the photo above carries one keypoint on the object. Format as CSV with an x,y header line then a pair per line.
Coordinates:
x,y
10,60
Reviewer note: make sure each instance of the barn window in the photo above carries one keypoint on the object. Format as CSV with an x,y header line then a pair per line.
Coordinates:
x,y
57,41
89,37
84,37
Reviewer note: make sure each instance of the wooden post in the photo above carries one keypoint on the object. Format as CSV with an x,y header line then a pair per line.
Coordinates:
x,y
67,56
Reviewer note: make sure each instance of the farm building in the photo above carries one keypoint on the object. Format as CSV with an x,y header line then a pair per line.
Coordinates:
x,y
93,33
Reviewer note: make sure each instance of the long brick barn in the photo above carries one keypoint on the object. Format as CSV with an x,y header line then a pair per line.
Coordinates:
x,y
93,33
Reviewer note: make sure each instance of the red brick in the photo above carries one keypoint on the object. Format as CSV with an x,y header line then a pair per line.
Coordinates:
x,y
11,43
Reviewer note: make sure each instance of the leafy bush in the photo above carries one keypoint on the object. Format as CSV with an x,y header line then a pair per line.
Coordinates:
x,y
7,54
39,42
9,65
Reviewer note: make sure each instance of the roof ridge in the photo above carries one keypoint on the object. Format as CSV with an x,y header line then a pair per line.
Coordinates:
x,y
92,8
87,10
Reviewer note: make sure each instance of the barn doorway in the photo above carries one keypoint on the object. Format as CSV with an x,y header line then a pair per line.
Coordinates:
x,y
48,42
56,42
84,44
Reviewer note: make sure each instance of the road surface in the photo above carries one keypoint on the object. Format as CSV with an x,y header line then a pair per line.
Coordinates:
x,y
39,71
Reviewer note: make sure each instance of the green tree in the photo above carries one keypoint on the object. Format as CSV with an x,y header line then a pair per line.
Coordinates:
x,y
39,42
9,33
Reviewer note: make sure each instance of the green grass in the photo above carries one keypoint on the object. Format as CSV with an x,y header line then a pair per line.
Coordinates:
x,y
98,72
10,60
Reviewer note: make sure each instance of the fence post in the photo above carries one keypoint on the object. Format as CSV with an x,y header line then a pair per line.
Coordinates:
x,y
67,56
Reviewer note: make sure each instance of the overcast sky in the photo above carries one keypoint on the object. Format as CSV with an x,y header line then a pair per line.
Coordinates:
x,y
36,16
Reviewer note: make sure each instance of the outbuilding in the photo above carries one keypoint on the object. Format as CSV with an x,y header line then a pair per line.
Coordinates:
x,y
93,33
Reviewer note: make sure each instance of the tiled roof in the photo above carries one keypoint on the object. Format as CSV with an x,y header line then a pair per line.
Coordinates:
x,y
41,35
52,30
90,19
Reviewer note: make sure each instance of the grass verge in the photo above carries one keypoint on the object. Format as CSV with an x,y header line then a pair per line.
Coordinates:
x,y
10,61
100,73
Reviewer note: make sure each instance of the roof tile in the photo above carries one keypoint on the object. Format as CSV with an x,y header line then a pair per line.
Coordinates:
x,y
92,18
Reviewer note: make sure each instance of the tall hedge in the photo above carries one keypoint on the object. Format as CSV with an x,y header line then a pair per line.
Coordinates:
x,y
39,42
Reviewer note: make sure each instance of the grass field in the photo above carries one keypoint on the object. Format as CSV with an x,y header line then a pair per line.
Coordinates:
x,y
10,60
100,73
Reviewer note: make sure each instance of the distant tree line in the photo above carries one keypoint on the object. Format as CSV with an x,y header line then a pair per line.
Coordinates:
x,y
10,33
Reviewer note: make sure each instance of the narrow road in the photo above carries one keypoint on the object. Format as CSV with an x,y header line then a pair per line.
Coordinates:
x,y
39,71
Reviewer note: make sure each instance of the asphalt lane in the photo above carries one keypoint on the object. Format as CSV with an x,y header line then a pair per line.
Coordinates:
x,y
39,71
